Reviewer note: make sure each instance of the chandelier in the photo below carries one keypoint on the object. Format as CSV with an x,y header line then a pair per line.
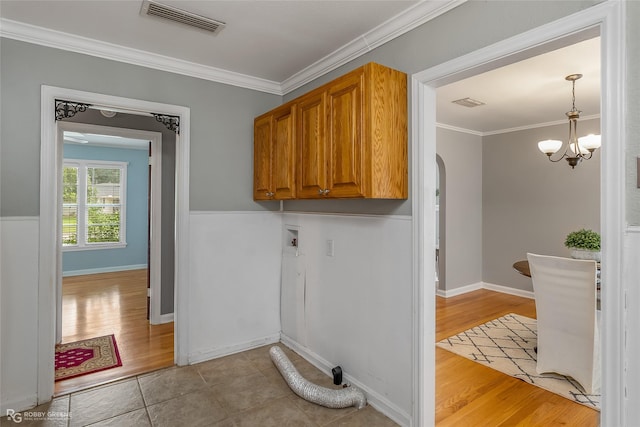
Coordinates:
x,y
577,149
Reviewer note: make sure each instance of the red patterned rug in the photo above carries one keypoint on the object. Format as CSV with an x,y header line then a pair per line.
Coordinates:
x,y
86,356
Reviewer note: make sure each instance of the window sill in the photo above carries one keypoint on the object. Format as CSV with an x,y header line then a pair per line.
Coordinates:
x,y
94,247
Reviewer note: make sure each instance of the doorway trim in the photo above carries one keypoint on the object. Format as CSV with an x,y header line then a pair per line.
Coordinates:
x,y
50,152
609,19
155,214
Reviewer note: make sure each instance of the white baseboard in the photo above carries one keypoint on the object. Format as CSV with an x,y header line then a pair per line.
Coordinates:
x,y
18,405
214,353
375,399
103,270
166,318
483,285
459,291
508,290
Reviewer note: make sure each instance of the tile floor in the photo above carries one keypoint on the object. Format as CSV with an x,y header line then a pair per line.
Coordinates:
x,y
240,390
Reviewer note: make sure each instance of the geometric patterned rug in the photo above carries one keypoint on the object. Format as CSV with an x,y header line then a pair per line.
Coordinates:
x,y
507,345
86,356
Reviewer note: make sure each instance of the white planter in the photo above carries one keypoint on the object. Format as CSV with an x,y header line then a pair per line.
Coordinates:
x,y
585,254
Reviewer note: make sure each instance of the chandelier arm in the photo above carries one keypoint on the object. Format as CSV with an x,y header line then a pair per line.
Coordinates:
x,y
564,156
584,156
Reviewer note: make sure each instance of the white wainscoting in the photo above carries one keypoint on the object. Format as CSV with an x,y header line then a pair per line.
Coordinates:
x,y
19,310
631,279
357,302
234,289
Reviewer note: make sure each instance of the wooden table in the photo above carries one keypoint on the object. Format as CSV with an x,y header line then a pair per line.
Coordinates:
x,y
522,267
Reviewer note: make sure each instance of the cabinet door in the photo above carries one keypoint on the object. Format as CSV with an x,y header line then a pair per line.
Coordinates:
x,y
262,158
283,154
311,140
345,139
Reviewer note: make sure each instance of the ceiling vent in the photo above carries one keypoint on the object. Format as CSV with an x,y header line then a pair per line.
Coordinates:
x,y
468,102
152,8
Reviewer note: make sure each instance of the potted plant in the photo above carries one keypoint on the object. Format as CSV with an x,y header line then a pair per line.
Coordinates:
x,y
584,244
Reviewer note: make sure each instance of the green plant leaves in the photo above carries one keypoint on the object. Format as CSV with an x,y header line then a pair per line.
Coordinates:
x,y
583,239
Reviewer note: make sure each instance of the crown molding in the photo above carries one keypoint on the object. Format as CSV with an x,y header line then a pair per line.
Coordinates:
x,y
396,26
65,41
458,129
509,130
539,125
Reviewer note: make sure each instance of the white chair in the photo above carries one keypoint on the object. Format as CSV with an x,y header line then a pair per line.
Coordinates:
x,y
568,322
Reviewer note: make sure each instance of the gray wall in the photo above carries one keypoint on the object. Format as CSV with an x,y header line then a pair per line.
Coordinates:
x,y
221,123
222,115
135,121
462,156
221,146
530,204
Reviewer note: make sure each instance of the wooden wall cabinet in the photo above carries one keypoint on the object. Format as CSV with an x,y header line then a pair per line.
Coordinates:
x,y
311,167
274,154
350,139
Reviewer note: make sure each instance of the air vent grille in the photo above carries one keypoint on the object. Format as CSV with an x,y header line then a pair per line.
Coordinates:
x,y
468,102
152,8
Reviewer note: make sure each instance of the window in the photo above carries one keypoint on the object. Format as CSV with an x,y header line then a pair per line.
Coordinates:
x,y
93,204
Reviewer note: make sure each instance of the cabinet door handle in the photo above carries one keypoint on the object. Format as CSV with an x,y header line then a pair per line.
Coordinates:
x,y
270,194
320,192
326,191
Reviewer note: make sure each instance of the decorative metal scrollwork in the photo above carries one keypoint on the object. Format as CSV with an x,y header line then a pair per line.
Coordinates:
x,y
66,109
171,122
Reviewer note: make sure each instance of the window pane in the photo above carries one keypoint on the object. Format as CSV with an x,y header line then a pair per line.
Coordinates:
x,y
93,197
70,206
69,224
103,223
103,186
70,185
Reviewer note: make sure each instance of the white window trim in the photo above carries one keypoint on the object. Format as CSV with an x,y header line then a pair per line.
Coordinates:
x,y
82,165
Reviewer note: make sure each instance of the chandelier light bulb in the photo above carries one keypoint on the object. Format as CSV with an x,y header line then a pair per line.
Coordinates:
x,y
549,146
582,148
590,142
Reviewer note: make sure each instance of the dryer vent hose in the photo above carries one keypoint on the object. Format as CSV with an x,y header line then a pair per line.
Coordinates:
x,y
331,398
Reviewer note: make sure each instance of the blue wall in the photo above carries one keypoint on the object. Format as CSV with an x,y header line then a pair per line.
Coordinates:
x,y
135,253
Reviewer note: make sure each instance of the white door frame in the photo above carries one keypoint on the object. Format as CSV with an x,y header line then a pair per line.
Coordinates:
x,y
155,214
50,152
609,18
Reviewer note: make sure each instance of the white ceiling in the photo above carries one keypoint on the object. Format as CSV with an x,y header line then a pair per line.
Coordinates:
x,y
271,40
95,139
276,46
526,94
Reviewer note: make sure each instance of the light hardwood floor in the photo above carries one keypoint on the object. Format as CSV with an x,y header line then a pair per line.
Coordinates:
x,y
114,303
470,394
